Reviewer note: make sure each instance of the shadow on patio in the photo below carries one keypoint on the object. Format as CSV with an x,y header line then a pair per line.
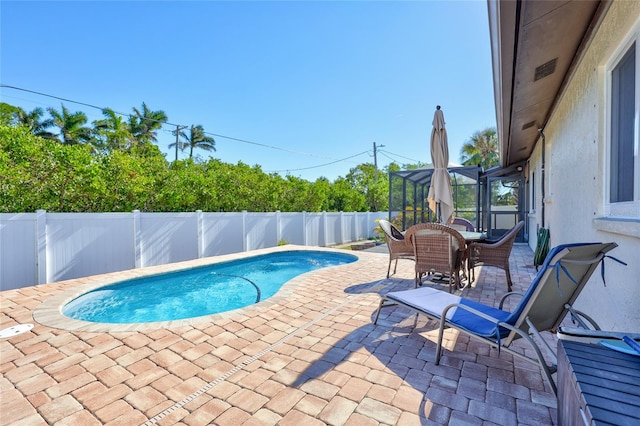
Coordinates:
x,y
472,381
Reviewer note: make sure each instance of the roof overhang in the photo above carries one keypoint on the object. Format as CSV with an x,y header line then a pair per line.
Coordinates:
x,y
535,46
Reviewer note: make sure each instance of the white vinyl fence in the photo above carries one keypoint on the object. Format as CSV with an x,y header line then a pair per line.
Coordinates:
x,y
41,247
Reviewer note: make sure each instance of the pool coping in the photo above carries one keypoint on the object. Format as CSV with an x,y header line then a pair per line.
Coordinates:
x,y
49,312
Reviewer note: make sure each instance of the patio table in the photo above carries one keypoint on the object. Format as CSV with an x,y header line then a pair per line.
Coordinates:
x,y
470,237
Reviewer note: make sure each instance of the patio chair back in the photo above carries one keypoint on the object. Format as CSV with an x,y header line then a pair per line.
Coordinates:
x,y
399,247
462,224
437,248
495,253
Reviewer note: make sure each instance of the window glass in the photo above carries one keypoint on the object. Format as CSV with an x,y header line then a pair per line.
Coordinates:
x,y
623,104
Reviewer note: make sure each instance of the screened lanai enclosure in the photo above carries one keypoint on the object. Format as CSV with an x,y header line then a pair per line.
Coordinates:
x,y
493,200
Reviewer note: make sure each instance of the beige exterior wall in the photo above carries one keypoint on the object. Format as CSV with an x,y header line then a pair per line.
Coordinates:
x,y
575,179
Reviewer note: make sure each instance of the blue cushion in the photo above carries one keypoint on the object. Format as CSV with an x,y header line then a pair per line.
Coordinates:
x,y
476,325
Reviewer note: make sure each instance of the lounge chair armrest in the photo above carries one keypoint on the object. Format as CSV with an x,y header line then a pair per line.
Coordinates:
x,y
580,317
473,311
511,293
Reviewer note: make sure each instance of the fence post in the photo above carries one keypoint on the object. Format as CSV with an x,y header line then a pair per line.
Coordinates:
x,y
278,228
41,246
324,227
304,228
355,226
245,237
137,239
200,232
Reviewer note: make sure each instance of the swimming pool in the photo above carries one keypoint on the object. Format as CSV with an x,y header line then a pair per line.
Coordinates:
x,y
199,291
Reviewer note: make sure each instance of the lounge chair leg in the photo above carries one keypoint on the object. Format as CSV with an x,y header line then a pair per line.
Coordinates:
x,y
375,321
439,347
546,369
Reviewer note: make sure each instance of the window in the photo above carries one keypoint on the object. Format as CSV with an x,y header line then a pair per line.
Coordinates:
x,y
623,95
623,166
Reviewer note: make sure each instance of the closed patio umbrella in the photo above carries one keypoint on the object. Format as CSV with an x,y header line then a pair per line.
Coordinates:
x,y
440,196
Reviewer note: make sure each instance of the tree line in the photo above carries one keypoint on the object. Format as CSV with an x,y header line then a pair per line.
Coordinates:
x,y
114,165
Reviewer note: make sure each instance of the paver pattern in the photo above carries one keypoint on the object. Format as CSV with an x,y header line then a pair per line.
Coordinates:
x,y
311,357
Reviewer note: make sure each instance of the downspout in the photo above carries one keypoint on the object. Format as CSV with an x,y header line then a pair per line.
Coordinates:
x,y
542,246
541,131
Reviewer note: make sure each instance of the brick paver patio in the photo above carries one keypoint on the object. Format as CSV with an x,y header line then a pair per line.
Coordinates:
x,y
308,356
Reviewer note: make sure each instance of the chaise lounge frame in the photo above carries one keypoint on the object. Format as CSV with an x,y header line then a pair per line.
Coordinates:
x,y
542,307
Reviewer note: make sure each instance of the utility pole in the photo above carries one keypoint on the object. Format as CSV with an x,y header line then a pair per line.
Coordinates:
x,y
375,159
178,129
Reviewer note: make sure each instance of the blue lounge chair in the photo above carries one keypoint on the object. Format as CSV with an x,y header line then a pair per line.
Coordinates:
x,y
543,306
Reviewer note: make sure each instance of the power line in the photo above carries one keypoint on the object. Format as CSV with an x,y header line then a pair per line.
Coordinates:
x,y
269,146
178,126
321,165
384,152
173,124
79,103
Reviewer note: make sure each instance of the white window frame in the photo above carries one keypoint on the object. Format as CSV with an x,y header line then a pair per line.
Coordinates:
x,y
627,209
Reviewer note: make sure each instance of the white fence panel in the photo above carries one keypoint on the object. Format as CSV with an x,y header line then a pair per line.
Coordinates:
x,y
223,233
314,229
82,244
365,225
168,237
333,228
261,230
292,228
349,227
370,222
18,247
41,247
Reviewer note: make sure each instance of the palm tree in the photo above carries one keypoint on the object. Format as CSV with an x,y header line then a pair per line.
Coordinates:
x,y
482,149
114,130
145,124
72,129
195,139
32,121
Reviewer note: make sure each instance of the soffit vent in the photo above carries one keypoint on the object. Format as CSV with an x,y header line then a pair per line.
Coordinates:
x,y
545,69
529,124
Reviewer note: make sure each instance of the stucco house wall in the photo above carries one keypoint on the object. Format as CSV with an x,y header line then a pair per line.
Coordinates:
x,y
575,153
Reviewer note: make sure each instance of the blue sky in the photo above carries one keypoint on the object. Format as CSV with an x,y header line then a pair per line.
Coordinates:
x,y
304,84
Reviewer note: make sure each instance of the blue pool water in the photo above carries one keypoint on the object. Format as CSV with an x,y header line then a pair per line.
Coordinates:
x,y
198,291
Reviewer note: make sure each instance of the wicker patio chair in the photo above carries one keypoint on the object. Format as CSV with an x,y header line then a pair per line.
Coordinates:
x,y
437,249
494,253
462,224
399,247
